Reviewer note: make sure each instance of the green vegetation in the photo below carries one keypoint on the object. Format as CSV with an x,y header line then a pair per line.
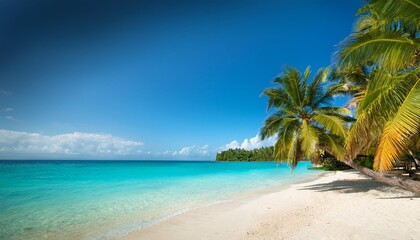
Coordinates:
x,y
386,46
377,66
326,161
365,161
303,119
330,163
238,154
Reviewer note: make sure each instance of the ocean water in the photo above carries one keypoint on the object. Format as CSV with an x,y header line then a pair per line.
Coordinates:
x,y
108,199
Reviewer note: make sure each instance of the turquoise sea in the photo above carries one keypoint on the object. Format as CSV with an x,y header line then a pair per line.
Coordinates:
x,y
108,199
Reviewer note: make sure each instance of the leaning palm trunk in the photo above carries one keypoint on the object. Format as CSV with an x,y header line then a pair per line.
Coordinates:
x,y
407,184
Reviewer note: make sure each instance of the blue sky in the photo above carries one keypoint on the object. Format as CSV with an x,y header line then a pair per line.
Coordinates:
x,y
151,79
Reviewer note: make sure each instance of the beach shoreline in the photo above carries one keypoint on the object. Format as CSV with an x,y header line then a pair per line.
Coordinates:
x,y
335,205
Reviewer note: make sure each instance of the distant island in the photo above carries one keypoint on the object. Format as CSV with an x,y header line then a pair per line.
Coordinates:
x,y
265,154
239,154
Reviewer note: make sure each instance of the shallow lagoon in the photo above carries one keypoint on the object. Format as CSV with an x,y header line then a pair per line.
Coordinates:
x,y
107,199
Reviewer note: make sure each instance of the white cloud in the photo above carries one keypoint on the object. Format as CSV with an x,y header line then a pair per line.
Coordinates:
x,y
7,109
192,151
249,144
82,144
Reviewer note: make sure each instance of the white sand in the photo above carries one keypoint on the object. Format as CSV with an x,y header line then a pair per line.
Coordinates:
x,y
342,205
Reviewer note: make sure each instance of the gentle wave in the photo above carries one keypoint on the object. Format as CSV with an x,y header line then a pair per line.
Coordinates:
x,y
104,200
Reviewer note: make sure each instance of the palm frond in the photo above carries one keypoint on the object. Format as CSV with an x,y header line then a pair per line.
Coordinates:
x,y
314,90
358,97
274,123
334,110
327,96
353,75
393,50
306,75
367,22
278,98
397,132
308,138
294,152
334,144
380,104
291,82
397,10
333,124
382,84
285,135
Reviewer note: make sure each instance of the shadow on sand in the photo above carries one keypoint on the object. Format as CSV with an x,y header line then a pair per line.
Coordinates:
x,y
360,186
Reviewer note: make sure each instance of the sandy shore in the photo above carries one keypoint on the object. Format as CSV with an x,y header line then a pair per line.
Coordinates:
x,y
338,205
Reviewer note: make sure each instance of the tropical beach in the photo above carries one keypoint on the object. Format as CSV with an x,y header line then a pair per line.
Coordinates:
x,y
337,205
209,119
198,200
109,199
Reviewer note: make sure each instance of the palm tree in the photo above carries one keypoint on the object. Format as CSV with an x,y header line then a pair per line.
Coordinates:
x,y
304,122
303,119
388,108
385,49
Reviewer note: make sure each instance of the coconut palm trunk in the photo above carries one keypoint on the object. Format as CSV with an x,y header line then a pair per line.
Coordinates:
x,y
407,184
392,180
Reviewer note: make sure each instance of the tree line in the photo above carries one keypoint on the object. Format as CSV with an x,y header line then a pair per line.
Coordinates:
x,y
239,154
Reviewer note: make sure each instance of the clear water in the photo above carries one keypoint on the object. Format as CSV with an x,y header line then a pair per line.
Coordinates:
x,y
108,199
